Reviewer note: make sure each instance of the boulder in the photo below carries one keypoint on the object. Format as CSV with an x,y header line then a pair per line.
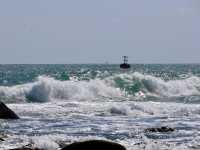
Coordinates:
x,y
6,113
94,145
160,129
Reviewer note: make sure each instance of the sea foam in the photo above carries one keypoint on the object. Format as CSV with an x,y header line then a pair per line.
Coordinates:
x,y
46,88
135,85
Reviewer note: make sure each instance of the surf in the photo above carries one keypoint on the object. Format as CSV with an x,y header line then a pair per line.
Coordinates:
x,y
118,86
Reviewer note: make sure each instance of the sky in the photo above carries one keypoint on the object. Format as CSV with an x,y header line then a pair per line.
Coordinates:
x,y
99,31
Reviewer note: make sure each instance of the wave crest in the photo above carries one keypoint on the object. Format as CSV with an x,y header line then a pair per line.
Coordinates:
x,y
135,85
46,88
149,85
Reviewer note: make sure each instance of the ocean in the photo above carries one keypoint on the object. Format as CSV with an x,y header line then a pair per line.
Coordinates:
x,y
69,103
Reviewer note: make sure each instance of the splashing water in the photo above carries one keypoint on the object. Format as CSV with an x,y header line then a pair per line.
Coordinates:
x,y
135,85
67,103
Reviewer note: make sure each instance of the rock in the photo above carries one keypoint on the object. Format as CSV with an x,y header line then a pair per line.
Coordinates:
x,y
94,145
2,137
161,129
6,113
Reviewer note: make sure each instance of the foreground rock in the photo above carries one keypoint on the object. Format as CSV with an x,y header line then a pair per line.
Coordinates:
x,y
6,113
94,145
161,129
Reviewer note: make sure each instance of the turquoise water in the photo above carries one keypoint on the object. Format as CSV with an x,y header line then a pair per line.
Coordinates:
x,y
19,74
78,102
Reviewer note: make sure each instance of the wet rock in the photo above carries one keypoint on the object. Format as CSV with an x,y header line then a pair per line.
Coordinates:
x,y
94,145
161,129
6,113
2,137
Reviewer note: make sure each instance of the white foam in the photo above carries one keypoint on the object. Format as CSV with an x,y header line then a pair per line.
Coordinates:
x,y
156,86
45,143
189,86
79,120
46,88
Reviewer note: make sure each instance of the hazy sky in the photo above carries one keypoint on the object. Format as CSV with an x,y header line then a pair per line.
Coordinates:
x,y
96,31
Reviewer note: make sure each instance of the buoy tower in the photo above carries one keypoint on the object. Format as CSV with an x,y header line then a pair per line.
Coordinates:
x,y
125,65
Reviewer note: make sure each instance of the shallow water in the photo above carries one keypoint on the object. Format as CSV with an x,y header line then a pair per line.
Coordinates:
x,y
65,103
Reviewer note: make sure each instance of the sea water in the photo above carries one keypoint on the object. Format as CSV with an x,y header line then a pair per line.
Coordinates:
x,y
69,103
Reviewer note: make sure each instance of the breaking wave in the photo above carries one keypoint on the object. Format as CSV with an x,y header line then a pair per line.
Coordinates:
x,y
46,88
138,83
134,85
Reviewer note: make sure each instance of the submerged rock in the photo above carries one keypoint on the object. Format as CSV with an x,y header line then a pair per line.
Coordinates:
x,y
161,129
6,113
94,145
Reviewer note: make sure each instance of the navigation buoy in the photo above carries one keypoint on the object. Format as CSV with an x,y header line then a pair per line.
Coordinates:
x,y
125,65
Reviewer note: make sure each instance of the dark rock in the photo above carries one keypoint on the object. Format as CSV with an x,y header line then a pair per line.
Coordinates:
x,y
2,137
94,145
6,113
161,129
